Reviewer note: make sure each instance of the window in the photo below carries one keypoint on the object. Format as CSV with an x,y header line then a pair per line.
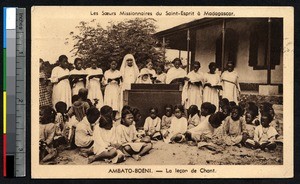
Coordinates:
x,y
258,49
231,46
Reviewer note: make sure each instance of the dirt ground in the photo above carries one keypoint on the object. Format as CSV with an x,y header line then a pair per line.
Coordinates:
x,y
183,154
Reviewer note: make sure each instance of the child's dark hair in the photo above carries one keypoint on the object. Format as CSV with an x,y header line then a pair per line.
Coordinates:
x,y
232,103
125,112
74,98
252,107
92,114
83,93
126,107
177,59
268,115
212,109
48,115
61,107
180,107
224,101
106,110
211,65
105,120
193,109
153,108
77,60
266,107
215,120
206,106
237,108
61,58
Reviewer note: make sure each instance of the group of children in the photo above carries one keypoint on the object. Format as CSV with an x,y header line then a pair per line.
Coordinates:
x,y
100,134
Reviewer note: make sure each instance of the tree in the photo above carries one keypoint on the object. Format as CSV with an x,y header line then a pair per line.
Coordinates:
x,y
118,39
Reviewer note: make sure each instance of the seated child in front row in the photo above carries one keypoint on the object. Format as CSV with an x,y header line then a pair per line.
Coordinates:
x,y
166,119
46,133
84,132
178,126
264,135
251,123
126,136
234,128
203,128
104,137
194,118
152,125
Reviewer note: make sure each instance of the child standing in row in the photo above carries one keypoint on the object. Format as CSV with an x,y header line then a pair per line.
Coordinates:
x,y
178,126
94,77
112,80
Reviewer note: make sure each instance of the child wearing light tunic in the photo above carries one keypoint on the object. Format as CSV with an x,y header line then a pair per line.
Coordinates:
x,y
231,87
178,126
112,92
127,137
94,84
61,85
77,82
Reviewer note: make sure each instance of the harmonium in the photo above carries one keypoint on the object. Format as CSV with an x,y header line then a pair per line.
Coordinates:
x,y
145,96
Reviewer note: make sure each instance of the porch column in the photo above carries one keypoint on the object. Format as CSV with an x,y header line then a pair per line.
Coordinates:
x,y
223,43
269,52
164,49
188,49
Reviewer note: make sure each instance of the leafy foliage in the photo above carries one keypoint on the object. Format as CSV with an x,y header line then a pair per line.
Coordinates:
x,y
118,39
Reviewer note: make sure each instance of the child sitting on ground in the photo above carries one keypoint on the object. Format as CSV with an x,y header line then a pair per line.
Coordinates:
x,y
178,126
126,136
234,128
251,123
277,124
152,125
194,118
203,128
84,132
264,135
104,137
46,134
167,117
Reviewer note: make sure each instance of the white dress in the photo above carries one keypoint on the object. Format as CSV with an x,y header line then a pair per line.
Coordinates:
x,y
230,85
174,73
178,126
62,89
192,94
94,86
202,129
103,139
113,90
80,83
211,94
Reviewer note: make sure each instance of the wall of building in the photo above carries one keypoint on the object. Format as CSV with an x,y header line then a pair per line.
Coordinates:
x,y
206,48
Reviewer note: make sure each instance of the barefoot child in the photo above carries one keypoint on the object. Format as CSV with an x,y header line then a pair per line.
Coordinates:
x,y
127,137
46,134
194,118
234,127
84,132
152,124
104,137
178,126
264,135
204,127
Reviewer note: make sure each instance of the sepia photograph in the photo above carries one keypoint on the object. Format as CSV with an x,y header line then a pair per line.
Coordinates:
x,y
162,92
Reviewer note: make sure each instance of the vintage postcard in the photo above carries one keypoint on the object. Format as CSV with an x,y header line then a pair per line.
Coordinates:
x,y
162,92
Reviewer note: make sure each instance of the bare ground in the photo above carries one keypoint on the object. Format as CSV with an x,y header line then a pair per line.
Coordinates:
x,y
183,154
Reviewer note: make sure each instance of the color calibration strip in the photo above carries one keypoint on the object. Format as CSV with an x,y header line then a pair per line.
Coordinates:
x,y
14,119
